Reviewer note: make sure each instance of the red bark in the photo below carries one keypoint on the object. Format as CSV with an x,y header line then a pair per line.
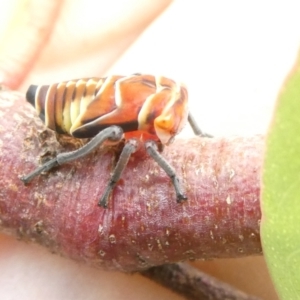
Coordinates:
x,y
143,225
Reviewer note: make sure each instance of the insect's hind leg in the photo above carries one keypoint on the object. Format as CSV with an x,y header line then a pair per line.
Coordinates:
x,y
153,151
129,148
112,133
195,127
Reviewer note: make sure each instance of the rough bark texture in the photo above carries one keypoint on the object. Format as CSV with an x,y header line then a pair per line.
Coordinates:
x,y
143,225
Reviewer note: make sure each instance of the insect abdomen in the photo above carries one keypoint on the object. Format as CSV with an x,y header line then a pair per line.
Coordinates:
x,y
59,105
142,105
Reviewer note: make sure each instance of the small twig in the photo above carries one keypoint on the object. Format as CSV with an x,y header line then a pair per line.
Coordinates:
x,y
194,284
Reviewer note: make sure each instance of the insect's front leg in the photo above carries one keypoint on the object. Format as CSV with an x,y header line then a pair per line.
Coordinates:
x,y
113,133
196,128
153,151
129,148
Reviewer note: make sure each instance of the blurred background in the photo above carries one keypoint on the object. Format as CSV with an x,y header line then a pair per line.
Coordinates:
x,y
232,55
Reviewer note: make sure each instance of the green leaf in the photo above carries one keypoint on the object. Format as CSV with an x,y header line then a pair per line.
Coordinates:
x,y
280,227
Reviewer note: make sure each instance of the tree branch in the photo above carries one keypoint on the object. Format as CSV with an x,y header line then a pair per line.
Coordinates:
x,y
143,226
194,284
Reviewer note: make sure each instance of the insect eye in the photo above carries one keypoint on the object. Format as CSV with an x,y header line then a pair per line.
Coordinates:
x,y
165,123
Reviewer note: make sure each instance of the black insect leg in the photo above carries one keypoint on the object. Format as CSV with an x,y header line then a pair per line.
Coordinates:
x,y
152,150
129,148
113,133
195,127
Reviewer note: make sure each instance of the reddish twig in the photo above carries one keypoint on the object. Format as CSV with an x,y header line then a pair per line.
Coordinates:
x,y
143,226
194,284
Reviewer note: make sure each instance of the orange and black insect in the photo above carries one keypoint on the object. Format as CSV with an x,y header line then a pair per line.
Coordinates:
x,y
136,107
